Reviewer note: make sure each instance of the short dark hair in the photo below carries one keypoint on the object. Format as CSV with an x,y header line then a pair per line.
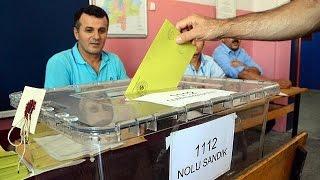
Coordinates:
x,y
91,10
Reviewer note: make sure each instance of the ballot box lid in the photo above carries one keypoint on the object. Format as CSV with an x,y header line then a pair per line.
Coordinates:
x,y
103,109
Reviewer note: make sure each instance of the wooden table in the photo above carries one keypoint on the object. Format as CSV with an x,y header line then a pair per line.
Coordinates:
x,y
294,92
252,115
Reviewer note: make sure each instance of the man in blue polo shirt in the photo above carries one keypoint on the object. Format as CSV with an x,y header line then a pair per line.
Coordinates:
x,y
203,65
236,63
86,62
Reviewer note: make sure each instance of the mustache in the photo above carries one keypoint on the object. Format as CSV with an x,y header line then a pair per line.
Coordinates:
x,y
93,40
235,41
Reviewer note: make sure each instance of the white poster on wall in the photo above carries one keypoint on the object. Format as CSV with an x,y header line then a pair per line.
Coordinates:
x,y
205,2
226,9
203,151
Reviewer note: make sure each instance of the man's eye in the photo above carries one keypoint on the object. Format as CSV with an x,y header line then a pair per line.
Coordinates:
x,y
102,31
89,30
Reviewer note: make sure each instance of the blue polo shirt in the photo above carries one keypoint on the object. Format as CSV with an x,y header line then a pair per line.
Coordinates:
x,y
224,56
69,68
208,68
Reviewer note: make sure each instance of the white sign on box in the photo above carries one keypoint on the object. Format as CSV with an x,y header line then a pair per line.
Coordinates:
x,y
29,94
203,151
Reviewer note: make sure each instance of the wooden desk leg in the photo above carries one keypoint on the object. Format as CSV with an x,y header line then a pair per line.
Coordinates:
x,y
263,130
243,145
296,115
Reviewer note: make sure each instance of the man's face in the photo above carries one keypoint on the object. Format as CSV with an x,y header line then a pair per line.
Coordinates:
x,y
91,34
233,44
199,46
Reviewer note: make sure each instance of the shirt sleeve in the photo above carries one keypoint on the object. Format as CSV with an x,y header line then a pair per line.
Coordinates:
x,y
57,74
250,62
224,61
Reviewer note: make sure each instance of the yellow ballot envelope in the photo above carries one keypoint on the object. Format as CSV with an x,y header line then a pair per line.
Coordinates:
x,y
163,65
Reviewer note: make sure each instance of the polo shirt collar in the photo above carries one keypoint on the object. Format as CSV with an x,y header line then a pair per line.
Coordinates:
x,y
104,59
203,61
77,56
228,50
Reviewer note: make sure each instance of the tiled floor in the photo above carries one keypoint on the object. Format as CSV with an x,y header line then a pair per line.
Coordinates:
x,y
310,113
309,120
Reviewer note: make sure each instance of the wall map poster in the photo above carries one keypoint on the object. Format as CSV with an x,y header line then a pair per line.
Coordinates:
x,y
127,18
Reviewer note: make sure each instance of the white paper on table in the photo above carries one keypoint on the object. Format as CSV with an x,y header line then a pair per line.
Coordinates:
x,y
62,148
29,93
283,94
180,98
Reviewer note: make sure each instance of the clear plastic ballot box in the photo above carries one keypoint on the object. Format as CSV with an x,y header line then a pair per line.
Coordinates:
x,y
95,132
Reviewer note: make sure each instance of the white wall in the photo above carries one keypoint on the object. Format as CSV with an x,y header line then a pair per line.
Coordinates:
x,y
265,5
248,5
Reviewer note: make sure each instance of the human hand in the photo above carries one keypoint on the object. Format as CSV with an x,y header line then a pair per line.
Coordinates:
x,y
197,27
253,70
284,84
236,63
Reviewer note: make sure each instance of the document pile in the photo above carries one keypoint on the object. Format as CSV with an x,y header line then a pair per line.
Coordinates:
x,y
38,157
9,164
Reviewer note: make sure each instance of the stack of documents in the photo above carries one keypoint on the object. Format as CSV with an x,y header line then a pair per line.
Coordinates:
x,y
9,164
35,155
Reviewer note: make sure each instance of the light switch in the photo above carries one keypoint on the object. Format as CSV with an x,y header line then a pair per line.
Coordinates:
x,y
152,6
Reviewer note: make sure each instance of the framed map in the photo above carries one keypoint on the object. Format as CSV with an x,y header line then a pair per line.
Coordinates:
x,y
127,18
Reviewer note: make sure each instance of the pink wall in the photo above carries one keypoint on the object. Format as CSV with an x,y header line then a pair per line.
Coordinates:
x,y
132,50
274,57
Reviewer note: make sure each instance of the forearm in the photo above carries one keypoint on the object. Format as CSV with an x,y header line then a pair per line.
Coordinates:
x,y
251,75
254,70
286,22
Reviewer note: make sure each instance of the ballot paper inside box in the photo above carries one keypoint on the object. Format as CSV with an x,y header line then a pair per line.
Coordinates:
x,y
101,117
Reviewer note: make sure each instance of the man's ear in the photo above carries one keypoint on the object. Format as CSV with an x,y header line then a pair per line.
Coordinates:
x,y
76,33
